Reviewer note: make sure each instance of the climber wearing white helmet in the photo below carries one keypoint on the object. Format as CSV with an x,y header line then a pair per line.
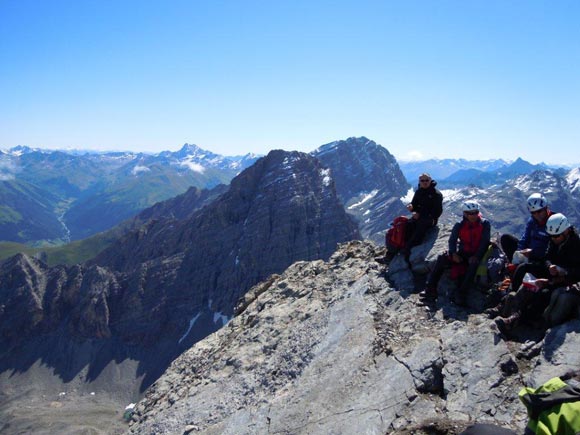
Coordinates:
x,y
468,243
533,243
530,250
561,269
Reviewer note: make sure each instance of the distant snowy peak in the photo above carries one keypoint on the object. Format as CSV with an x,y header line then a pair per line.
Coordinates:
x,y
573,180
190,155
198,160
544,182
20,150
443,168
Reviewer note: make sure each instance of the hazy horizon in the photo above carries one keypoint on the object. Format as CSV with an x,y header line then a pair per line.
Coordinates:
x,y
401,160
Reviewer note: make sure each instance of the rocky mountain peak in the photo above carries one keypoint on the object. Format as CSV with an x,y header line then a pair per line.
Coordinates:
x,y
368,181
360,165
193,150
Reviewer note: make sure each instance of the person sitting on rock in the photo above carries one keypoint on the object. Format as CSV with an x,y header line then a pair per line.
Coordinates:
x,y
468,244
561,268
563,306
426,208
530,249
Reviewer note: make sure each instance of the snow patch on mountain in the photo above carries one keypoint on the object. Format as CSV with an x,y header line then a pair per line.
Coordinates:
x,y
523,183
452,194
573,180
325,174
365,198
408,197
220,317
191,323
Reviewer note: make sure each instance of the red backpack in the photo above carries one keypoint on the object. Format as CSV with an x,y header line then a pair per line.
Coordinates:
x,y
395,237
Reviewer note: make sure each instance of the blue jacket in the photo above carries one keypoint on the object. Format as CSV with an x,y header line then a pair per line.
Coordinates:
x,y
535,238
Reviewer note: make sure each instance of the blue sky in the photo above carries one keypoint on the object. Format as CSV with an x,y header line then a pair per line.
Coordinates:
x,y
472,79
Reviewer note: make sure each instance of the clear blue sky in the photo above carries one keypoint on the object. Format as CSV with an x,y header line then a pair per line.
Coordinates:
x,y
473,79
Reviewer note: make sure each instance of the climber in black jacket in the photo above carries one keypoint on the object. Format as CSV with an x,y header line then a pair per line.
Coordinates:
x,y
426,207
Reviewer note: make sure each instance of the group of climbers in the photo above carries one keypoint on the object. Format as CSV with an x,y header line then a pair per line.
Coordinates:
x,y
551,290
542,283
544,269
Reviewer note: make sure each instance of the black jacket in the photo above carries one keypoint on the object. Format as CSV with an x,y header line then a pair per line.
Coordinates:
x,y
428,202
566,255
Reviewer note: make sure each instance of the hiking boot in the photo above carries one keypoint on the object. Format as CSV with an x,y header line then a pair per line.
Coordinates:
x,y
386,259
506,324
492,313
429,294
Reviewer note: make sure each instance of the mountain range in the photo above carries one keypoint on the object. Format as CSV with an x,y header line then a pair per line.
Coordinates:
x,y
213,262
51,197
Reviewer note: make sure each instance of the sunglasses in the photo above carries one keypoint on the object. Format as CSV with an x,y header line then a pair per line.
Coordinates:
x,y
471,213
537,211
424,181
557,236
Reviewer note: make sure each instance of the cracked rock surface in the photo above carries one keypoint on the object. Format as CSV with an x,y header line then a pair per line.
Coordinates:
x,y
334,348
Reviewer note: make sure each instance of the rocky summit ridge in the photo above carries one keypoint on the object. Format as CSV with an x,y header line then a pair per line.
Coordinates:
x,y
340,347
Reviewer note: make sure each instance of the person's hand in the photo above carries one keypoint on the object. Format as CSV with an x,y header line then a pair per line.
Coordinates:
x,y
505,284
557,270
410,207
456,258
542,282
473,260
415,215
526,252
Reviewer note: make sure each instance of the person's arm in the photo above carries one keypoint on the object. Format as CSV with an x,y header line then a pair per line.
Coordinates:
x,y
485,238
550,255
453,238
438,209
413,204
525,239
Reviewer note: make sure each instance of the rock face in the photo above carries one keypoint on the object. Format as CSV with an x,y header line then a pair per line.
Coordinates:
x,y
336,348
368,181
168,284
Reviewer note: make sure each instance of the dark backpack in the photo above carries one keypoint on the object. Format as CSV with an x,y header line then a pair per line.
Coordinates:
x,y
493,266
395,237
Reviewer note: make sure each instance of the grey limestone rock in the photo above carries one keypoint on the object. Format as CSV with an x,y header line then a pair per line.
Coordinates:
x,y
333,347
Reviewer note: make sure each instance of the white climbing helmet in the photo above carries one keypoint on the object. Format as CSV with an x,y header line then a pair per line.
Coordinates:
x,y
557,224
470,205
536,201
